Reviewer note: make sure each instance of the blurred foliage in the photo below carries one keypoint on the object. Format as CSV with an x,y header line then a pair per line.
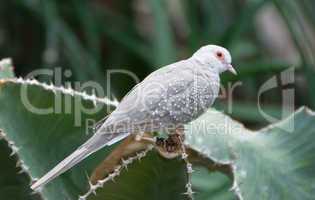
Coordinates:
x,y
90,37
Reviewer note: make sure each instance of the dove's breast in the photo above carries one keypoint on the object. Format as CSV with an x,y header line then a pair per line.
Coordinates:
x,y
194,99
181,97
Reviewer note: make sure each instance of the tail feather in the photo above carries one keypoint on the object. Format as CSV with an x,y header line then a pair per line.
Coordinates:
x,y
95,143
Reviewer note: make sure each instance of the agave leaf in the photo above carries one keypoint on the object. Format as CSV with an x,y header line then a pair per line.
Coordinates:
x,y
14,180
273,163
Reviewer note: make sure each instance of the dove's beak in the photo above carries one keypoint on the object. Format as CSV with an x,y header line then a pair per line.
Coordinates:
x,y
231,69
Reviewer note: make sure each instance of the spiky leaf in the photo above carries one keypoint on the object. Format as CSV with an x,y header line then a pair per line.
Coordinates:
x,y
14,181
274,163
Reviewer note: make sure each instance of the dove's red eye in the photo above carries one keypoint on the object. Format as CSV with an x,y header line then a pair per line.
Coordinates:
x,y
220,55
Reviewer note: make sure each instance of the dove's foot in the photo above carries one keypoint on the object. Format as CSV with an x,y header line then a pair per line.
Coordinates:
x,y
172,144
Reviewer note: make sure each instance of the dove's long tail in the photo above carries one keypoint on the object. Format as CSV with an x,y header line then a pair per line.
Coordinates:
x,y
95,143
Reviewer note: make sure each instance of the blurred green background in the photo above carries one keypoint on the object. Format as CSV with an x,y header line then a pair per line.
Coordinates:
x,y
265,37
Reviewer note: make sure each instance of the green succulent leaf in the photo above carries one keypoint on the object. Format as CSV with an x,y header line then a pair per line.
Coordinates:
x,y
209,186
273,163
151,178
14,181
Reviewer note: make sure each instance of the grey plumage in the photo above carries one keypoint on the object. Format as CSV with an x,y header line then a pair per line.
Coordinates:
x,y
175,94
169,97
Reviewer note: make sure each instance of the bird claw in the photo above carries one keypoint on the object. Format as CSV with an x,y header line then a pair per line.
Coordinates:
x,y
170,145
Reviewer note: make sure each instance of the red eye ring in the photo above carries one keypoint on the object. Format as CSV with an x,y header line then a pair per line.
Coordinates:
x,y
220,55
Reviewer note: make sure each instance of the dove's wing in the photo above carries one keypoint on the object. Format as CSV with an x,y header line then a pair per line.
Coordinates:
x,y
137,107
161,100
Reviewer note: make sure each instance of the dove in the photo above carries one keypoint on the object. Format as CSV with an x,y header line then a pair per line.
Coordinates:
x,y
167,99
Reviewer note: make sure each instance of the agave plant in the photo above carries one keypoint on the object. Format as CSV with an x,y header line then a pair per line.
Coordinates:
x,y
228,160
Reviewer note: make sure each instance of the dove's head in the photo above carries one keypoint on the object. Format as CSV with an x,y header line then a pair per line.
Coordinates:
x,y
215,57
